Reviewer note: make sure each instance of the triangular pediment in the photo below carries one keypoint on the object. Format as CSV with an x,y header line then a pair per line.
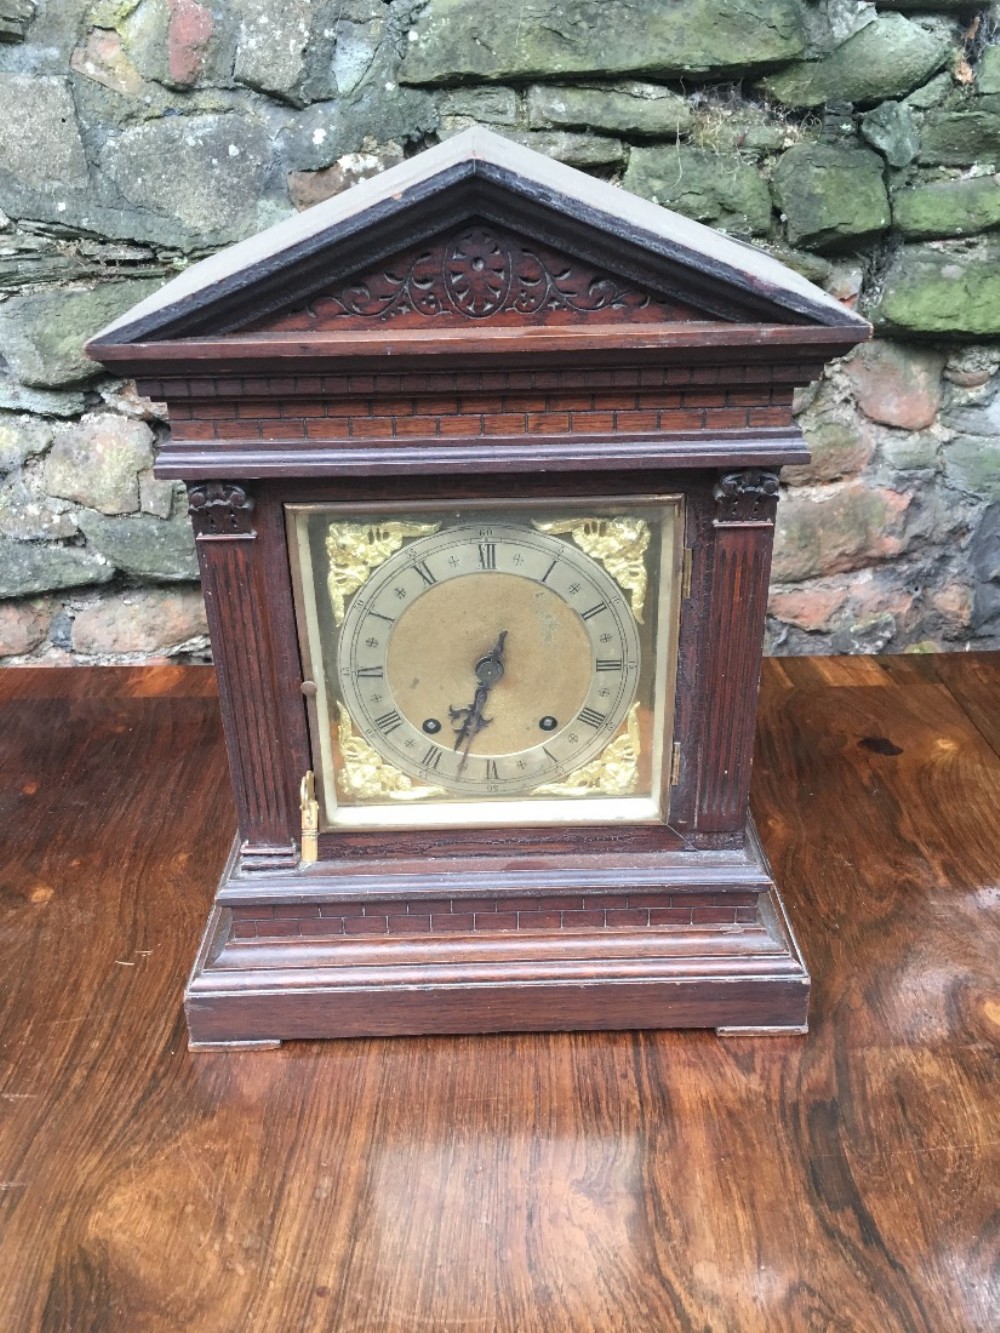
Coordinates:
x,y
478,273
476,229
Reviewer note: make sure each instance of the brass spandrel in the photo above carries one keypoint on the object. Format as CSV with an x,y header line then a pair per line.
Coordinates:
x,y
615,771
355,549
366,776
620,544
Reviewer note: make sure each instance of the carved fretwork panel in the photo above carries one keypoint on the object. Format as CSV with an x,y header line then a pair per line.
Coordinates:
x,y
474,274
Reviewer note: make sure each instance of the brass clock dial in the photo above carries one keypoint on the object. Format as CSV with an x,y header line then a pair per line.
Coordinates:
x,y
506,663
489,660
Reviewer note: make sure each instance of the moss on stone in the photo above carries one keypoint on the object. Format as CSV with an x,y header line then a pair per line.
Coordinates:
x,y
951,208
888,58
456,41
641,109
724,191
960,138
942,291
831,193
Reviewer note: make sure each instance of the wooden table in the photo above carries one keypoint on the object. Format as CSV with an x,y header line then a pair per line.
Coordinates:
x,y
846,1180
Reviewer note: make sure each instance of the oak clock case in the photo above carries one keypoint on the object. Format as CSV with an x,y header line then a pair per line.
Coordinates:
x,y
490,665
483,460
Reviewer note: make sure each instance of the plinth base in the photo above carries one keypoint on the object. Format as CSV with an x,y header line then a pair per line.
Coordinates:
x,y
698,940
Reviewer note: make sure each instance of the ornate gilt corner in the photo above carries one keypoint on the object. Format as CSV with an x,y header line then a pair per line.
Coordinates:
x,y
355,549
620,544
365,775
220,509
746,499
615,771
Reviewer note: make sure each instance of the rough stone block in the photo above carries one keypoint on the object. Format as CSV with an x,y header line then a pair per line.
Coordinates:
x,y
831,193
811,608
941,291
576,150
723,191
23,626
42,335
322,134
489,106
910,450
636,109
150,621
829,529
103,59
306,188
972,465
457,41
271,51
15,397
28,514
988,73
984,553
21,437
40,144
15,16
892,129
203,174
98,462
975,418
897,385
841,444
27,568
144,545
170,41
887,58
950,208
960,138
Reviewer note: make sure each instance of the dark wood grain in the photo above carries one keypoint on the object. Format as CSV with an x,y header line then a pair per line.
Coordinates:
x,y
579,1181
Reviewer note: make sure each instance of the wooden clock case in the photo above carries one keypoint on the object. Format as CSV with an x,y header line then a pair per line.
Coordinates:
x,y
482,323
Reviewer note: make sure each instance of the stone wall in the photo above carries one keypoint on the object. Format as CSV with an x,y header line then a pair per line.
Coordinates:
x,y
858,142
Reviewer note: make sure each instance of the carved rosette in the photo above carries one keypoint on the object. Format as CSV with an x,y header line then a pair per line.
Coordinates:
x,y
476,273
615,771
220,509
355,549
620,544
746,499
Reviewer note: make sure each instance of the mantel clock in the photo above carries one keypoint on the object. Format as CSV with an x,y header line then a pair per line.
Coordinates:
x,y
482,459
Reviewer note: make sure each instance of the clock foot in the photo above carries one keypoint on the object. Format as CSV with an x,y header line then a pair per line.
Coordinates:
x,y
779,1030
263,1044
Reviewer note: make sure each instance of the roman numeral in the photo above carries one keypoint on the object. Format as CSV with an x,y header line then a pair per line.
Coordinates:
x,y
388,722
594,610
592,717
369,673
545,576
548,753
492,773
488,555
609,664
388,619
421,567
432,758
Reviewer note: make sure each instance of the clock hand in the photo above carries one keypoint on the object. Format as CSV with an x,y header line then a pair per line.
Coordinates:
x,y
489,670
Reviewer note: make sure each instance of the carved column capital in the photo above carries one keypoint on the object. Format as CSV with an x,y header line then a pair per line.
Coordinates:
x,y
746,499
220,509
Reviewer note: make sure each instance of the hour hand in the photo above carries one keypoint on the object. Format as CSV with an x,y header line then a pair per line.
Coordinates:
x,y
472,720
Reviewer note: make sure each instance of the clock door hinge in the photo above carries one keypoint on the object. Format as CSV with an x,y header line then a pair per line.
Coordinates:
x,y
686,569
675,764
310,819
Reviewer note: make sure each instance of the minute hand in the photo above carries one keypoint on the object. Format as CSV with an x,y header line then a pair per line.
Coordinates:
x,y
489,670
